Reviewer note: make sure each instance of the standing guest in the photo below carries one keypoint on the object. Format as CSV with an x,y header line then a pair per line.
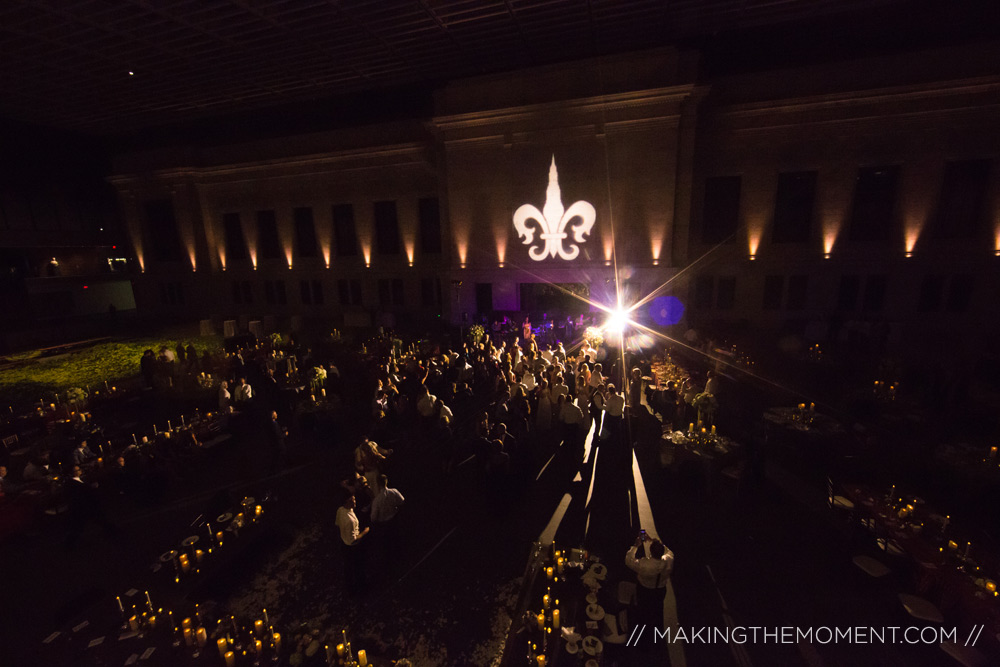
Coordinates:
x,y
387,502
614,412
84,505
243,393
635,392
571,417
652,563
526,329
147,366
712,384
192,357
351,535
225,399
596,378
276,437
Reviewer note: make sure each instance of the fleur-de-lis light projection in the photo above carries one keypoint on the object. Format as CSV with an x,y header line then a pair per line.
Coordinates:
x,y
553,221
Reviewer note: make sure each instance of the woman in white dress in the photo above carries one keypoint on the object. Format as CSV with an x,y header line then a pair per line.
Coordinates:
x,y
543,416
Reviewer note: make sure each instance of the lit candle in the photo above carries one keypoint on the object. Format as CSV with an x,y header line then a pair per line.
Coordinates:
x,y
541,621
223,645
967,546
258,646
267,621
201,635
188,637
218,537
121,608
186,623
549,572
991,586
559,565
812,407
541,660
230,659
258,627
257,512
953,545
555,619
149,602
185,563
993,452
545,601
363,658
340,650
276,637
691,427
182,421
169,427
133,623
152,621
199,555
323,392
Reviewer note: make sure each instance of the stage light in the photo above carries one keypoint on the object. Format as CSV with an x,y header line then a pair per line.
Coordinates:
x,y
617,321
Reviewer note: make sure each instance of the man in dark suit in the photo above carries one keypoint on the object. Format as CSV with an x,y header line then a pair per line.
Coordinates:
x,y
84,505
276,436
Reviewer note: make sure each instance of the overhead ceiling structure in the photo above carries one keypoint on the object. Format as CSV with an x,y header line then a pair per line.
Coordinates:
x,y
105,67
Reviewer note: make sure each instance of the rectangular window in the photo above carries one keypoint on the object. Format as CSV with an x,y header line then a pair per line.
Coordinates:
x,y
798,292
305,291
721,212
873,212
398,295
305,232
429,215
725,293
345,235
704,288
430,292
164,236
317,289
274,292
931,293
386,228
268,243
794,203
234,240
774,292
961,208
874,297
960,293
384,292
847,293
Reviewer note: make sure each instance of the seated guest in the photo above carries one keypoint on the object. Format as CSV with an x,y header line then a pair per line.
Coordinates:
x,y
37,469
7,487
83,455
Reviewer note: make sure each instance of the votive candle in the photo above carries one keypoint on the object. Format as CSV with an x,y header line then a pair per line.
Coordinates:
x,y
201,635
223,645
363,658
230,659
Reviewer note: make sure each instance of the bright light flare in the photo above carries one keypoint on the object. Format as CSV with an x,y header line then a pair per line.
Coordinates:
x,y
617,321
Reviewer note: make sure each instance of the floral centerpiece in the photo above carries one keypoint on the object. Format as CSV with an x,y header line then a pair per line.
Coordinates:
x,y
317,377
706,405
76,396
476,332
276,340
593,337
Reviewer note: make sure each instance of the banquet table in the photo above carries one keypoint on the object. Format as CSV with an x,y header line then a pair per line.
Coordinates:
x,y
944,569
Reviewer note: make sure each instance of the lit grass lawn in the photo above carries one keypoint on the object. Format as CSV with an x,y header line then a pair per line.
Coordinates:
x,y
29,376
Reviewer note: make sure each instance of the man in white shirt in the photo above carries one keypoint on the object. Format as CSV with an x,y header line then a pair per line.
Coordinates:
x,y
572,418
243,392
596,378
224,397
351,535
386,503
652,563
425,405
614,412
